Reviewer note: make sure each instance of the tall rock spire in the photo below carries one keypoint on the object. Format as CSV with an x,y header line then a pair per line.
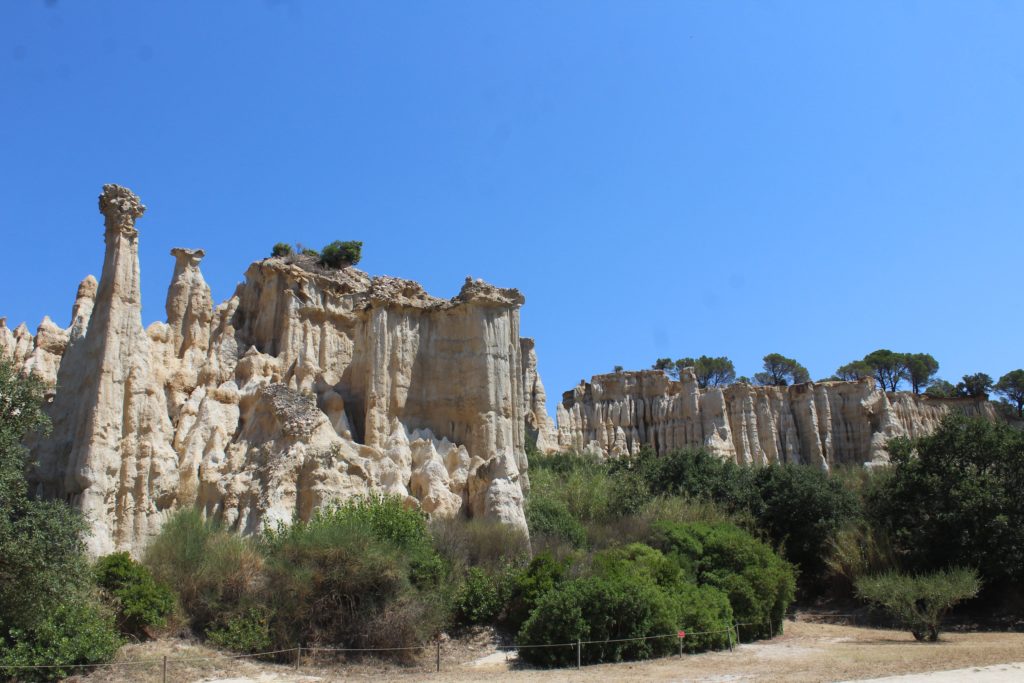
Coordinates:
x,y
112,432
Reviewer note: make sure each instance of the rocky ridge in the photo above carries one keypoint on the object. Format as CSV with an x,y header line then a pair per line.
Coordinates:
x,y
308,386
816,423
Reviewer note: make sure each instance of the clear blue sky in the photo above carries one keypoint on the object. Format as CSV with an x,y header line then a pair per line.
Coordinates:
x,y
818,179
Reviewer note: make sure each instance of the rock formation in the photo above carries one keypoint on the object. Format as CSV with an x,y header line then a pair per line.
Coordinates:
x,y
817,423
308,386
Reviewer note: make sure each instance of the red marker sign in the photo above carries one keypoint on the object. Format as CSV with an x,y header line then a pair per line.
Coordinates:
x,y
682,634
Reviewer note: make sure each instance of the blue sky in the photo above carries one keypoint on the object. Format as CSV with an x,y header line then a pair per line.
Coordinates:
x,y
818,179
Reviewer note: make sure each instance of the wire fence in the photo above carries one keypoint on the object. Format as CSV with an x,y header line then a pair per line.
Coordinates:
x,y
165,662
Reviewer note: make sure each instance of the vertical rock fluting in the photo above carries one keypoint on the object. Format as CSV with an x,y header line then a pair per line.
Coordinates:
x,y
308,386
820,424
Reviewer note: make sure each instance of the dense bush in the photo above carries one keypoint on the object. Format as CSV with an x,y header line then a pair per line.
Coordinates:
x,y
218,575
77,630
341,254
550,517
802,509
760,585
360,575
919,601
140,602
49,613
245,632
599,609
482,596
954,499
529,586
281,249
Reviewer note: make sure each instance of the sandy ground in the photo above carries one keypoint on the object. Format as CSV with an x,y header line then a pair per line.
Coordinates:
x,y
808,652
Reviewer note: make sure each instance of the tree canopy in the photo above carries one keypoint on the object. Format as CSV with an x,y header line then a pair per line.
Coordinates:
x,y
1011,387
710,371
780,371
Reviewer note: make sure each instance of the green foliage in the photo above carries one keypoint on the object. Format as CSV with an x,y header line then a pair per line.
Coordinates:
x,y
858,550
953,498
921,368
246,632
551,517
77,630
48,614
281,249
363,574
977,385
940,388
482,596
918,602
760,585
599,609
854,371
802,508
1011,386
140,601
341,254
710,372
217,574
541,576
780,371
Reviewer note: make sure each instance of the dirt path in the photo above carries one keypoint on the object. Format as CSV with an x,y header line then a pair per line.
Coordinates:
x,y
808,652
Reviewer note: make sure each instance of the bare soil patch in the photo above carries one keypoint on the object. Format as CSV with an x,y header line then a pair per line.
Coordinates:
x,y
808,652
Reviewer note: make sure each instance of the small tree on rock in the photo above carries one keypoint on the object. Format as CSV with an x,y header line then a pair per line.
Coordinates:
x,y
975,386
780,371
1011,386
341,254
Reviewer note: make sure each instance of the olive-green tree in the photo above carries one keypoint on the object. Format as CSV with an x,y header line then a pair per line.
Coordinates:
x,y
780,371
1011,387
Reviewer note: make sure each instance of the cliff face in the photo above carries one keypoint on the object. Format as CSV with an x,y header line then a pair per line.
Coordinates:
x,y
821,424
308,386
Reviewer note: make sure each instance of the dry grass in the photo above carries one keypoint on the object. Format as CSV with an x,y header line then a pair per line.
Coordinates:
x,y
808,652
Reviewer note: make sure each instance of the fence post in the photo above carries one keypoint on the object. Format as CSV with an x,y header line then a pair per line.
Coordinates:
x,y
771,629
165,669
680,647
298,657
439,655
579,653
730,639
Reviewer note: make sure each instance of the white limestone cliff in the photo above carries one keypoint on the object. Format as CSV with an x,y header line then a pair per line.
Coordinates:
x,y
817,423
308,386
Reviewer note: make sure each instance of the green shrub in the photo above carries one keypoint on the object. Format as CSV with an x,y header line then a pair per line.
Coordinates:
x,y
760,585
359,575
310,252
858,550
482,597
139,600
48,614
599,609
281,249
529,585
918,602
802,509
78,630
247,632
341,254
551,517
217,574
954,498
